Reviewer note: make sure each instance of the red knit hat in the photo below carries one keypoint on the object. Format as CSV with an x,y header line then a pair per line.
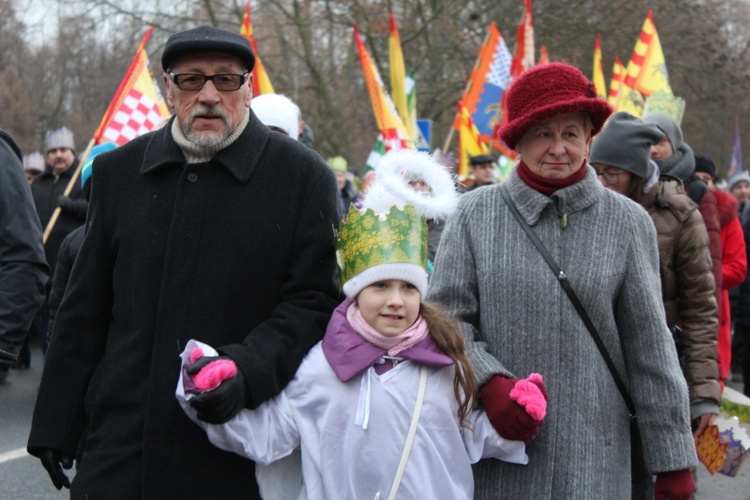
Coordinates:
x,y
547,90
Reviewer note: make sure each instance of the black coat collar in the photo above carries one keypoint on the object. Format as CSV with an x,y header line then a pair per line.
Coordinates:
x,y
239,159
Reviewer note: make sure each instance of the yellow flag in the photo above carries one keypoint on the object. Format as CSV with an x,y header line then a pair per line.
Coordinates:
x,y
398,79
599,83
261,81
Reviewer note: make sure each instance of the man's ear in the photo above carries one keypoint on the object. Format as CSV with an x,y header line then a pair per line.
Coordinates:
x,y
168,89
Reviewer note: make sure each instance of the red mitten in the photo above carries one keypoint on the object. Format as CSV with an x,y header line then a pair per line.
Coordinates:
x,y
509,418
676,485
214,372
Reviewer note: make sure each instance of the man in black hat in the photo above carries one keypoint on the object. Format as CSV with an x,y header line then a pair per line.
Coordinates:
x,y
482,171
190,236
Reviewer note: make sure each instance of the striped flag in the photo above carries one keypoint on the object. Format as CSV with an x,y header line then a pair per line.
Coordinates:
x,y
622,97
735,163
647,69
389,122
138,105
543,56
261,81
469,141
618,71
599,83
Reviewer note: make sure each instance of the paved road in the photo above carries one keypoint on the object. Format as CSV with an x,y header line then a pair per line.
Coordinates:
x,y
23,478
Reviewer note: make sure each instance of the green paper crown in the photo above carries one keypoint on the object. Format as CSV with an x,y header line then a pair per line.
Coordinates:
x,y
364,240
666,103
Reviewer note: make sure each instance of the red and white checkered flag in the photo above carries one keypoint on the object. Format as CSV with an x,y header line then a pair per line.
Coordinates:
x,y
138,106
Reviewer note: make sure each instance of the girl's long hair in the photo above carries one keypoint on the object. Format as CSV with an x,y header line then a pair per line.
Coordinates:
x,y
449,338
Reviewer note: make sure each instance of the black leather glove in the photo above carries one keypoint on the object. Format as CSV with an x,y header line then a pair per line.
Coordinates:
x,y
219,405
55,461
66,203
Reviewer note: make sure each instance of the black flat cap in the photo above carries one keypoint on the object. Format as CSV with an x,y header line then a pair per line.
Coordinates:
x,y
476,160
207,39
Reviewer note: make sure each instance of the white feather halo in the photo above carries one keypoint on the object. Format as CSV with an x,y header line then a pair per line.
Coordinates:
x,y
391,186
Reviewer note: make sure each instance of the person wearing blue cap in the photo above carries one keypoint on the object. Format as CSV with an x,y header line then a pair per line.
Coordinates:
x,y
189,235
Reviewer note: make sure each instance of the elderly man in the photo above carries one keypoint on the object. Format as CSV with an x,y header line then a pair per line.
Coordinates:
x,y
189,235
48,190
23,268
482,171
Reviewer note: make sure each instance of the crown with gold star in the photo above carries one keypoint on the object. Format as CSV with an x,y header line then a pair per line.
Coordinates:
x,y
666,103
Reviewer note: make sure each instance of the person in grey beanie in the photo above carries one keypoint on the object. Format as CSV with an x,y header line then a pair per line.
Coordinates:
x,y
620,156
739,187
676,158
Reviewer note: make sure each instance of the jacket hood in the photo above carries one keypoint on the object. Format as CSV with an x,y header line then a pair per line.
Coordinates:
x,y
727,205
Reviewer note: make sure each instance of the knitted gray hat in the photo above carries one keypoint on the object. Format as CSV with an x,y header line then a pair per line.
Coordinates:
x,y
625,142
738,178
668,126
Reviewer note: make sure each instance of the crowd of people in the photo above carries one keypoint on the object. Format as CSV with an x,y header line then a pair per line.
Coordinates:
x,y
566,332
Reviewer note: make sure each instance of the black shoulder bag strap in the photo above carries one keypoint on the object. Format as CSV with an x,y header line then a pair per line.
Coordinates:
x,y
573,298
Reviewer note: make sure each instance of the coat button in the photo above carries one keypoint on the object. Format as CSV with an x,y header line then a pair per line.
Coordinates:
x,y
192,177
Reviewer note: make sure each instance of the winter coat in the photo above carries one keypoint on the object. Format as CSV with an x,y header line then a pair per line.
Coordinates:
x,y
682,165
23,268
66,256
734,270
352,432
517,319
46,189
687,286
237,251
741,294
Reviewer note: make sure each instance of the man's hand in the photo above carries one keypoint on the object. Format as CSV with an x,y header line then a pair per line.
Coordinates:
x,y
55,461
219,405
66,203
702,423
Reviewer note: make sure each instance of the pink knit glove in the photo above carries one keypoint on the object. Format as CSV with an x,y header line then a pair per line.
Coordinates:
x,y
210,376
528,393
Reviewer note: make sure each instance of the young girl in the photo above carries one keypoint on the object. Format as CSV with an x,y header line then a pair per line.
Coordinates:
x,y
384,403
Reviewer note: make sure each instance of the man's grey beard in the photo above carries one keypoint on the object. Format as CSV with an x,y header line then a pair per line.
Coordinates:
x,y
206,140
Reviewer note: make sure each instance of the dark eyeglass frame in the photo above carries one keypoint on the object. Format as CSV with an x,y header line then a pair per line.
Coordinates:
x,y
611,174
176,80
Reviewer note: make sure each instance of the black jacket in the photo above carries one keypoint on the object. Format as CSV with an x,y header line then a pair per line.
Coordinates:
x,y
46,189
23,268
237,252
65,259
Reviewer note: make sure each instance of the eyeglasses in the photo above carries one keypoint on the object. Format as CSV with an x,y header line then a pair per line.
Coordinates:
x,y
482,166
194,82
610,174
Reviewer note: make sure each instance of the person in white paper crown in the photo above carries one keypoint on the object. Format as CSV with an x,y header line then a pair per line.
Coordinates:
x,y
385,403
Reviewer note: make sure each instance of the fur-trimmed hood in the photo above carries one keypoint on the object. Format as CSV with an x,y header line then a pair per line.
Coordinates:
x,y
727,205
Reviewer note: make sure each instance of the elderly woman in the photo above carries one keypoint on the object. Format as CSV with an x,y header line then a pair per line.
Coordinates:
x,y
517,318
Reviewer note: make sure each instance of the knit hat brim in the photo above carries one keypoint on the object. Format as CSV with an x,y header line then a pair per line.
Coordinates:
x,y
411,273
548,90
597,109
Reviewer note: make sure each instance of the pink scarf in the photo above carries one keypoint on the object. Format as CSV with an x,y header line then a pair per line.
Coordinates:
x,y
392,345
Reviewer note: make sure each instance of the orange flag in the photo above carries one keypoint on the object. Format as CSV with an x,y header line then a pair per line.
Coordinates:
x,y
524,57
390,125
469,142
138,105
599,83
261,82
